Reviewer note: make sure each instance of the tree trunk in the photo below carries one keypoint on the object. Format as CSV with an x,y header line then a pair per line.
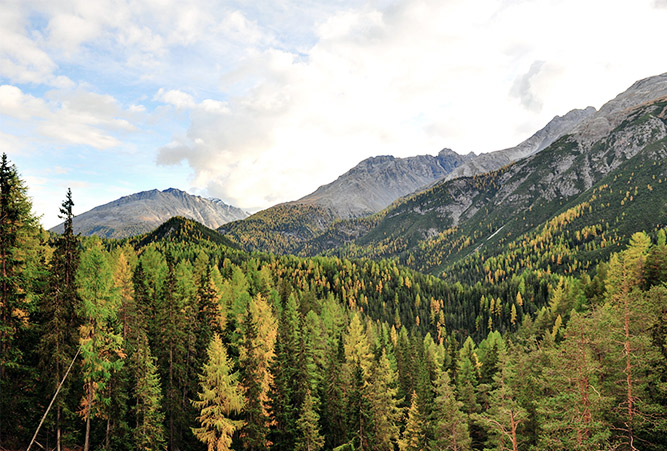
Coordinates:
x,y
57,428
171,395
628,371
515,424
86,445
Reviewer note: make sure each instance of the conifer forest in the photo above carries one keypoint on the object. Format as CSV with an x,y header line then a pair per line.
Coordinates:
x,y
180,340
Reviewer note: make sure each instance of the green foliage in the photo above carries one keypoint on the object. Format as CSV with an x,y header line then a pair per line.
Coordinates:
x,y
218,399
333,353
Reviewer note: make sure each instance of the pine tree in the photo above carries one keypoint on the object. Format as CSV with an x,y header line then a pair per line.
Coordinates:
x,y
19,265
308,426
219,398
257,352
386,413
573,413
59,316
505,414
148,433
414,435
629,314
450,423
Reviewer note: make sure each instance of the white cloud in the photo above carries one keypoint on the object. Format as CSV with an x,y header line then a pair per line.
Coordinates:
x,y
284,96
68,116
175,98
407,79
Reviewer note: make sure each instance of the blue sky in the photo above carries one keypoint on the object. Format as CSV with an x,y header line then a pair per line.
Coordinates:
x,y
261,102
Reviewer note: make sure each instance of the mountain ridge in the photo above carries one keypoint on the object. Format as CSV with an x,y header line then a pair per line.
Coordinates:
x,y
142,212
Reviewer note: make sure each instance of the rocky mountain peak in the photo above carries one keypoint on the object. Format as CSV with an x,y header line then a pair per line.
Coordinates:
x,y
144,211
557,127
376,182
613,112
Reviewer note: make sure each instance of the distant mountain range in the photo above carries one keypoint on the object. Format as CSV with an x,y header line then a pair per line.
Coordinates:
x,y
365,189
373,185
142,212
580,198
376,182
601,172
491,161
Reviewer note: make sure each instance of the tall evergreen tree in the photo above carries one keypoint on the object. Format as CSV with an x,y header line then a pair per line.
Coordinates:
x,y
19,264
59,316
308,426
450,423
148,432
100,337
218,400
573,412
505,414
171,338
290,380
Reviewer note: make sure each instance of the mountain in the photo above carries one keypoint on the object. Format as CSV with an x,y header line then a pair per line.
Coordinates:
x,y
581,198
370,187
179,229
491,161
365,189
376,182
142,212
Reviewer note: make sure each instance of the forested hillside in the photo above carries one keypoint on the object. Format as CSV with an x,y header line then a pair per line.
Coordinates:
x,y
564,209
179,341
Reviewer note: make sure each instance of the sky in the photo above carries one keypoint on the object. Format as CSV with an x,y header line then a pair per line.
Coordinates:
x,y
261,102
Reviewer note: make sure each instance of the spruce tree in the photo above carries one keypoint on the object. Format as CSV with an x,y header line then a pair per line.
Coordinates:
x,y
59,317
290,380
308,426
148,432
450,423
19,266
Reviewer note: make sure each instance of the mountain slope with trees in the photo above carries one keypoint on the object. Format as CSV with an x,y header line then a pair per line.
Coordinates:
x,y
598,191
186,343
542,326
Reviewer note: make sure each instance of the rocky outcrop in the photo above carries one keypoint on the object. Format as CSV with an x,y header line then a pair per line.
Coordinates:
x,y
376,182
142,212
491,161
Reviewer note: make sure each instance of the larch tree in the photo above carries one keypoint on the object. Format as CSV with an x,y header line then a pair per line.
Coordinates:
x,y
414,435
386,413
100,337
257,352
218,400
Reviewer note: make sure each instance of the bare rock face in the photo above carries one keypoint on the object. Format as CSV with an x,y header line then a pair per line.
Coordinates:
x,y
376,182
612,113
491,161
142,212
